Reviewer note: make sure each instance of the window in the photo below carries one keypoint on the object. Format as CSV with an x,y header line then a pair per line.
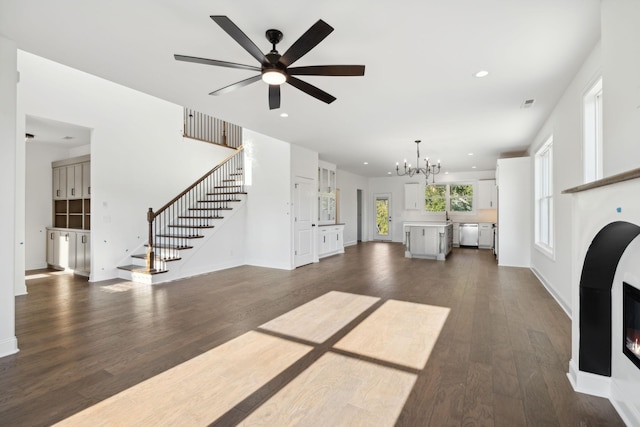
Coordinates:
x,y
592,133
544,197
461,197
435,198
449,197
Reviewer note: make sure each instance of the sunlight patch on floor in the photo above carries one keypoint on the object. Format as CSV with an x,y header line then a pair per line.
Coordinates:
x,y
338,391
198,391
319,319
399,332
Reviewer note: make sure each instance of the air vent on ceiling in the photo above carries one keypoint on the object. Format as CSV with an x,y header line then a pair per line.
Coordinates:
x,y
67,137
528,103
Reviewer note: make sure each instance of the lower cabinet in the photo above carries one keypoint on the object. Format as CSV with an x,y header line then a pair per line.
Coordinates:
x,y
330,240
485,235
69,250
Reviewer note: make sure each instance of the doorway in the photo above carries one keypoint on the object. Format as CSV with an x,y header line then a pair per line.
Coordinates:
x,y
382,221
304,214
359,214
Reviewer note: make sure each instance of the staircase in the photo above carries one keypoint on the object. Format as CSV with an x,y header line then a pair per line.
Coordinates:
x,y
189,218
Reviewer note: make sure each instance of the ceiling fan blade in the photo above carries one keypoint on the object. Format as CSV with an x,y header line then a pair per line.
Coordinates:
x,y
306,42
311,90
241,38
328,70
236,85
215,62
274,97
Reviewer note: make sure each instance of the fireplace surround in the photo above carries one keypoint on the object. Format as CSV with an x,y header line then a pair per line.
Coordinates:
x,y
606,250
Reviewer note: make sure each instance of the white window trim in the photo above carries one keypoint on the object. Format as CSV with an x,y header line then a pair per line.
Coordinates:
x,y
592,135
546,248
447,203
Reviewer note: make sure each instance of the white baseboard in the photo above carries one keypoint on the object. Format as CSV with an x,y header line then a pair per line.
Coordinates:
x,y
9,346
351,243
628,412
584,382
551,291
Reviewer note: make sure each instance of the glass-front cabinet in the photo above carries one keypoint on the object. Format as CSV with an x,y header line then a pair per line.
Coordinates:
x,y
326,193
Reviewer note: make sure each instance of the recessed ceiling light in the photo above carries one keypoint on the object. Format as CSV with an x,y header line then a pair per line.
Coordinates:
x,y
473,167
388,173
284,115
366,163
470,154
482,73
446,172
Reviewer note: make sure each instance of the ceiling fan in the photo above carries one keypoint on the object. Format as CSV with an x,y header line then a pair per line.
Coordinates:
x,y
274,68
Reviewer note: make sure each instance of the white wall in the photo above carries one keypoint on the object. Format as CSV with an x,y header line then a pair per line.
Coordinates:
x,y
8,247
268,231
349,184
38,206
565,125
514,213
394,185
621,85
138,156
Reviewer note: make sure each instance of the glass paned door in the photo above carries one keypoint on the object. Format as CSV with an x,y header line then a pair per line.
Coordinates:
x,y
383,219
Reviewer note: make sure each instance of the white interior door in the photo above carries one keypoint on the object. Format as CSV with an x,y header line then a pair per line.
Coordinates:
x,y
382,219
304,220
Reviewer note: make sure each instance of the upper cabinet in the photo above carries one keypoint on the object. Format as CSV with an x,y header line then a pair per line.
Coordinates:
x,y
487,194
412,199
326,193
72,193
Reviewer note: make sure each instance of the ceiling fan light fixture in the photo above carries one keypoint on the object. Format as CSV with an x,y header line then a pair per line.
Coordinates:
x,y
274,77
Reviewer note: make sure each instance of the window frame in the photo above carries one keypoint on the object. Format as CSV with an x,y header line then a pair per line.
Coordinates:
x,y
592,134
543,199
447,196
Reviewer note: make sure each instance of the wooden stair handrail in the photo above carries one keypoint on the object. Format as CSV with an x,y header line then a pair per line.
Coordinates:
x,y
152,215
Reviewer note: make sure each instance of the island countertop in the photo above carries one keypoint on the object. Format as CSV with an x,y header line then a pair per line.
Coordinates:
x,y
427,223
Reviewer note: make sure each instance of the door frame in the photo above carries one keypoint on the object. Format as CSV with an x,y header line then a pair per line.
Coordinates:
x,y
376,236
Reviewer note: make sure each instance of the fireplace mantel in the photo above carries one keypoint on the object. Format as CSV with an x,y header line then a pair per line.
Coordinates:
x,y
614,179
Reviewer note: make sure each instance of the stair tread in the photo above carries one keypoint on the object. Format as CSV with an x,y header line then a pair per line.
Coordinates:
x,y
210,209
200,217
144,256
181,236
139,269
164,246
191,226
218,193
219,201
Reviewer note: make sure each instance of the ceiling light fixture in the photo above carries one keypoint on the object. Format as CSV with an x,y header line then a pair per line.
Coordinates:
x,y
284,115
274,76
429,168
481,73
366,163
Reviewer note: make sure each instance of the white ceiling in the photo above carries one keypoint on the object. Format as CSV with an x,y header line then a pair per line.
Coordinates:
x,y
59,133
420,58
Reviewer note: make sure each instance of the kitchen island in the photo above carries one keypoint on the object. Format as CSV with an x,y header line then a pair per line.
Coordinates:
x,y
430,240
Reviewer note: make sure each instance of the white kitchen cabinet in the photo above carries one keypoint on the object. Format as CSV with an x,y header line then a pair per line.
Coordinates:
x,y
428,240
412,199
485,235
456,234
487,194
326,193
330,240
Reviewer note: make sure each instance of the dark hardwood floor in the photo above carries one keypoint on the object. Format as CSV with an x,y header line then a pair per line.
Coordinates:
x,y
501,358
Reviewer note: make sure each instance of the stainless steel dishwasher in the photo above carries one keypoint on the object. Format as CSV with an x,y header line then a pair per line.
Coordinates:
x,y
468,235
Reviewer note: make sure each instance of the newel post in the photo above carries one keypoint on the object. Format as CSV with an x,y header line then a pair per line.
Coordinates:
x,y
150,253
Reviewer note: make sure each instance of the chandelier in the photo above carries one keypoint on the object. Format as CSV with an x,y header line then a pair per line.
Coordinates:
x,y
429,169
